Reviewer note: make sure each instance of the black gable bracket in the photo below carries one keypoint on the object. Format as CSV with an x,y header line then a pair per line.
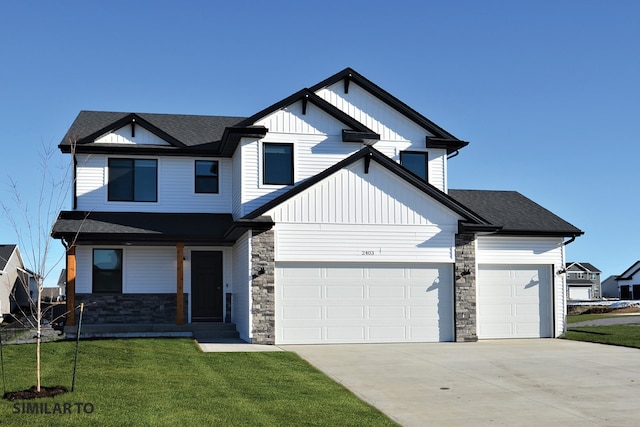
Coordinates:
x,y
305,99
133,128
367,162
347,80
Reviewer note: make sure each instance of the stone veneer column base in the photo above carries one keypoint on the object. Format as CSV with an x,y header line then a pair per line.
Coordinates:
x,y
262,287
465,288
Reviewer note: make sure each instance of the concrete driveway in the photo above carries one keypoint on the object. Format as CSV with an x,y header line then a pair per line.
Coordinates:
x,y
537,382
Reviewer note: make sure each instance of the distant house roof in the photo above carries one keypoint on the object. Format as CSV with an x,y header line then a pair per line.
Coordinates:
x,y
630,272
582,266
5,254
516,214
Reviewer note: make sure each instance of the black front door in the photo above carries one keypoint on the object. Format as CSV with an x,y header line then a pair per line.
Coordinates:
x,y
206,286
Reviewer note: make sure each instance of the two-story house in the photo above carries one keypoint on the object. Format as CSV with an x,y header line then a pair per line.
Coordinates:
x,y
583,281
324,218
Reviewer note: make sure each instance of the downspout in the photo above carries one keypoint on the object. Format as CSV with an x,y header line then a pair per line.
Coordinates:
x,y
571,240
452,155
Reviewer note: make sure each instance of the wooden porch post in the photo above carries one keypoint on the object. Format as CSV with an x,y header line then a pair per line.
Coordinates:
x,y
180,284
71,286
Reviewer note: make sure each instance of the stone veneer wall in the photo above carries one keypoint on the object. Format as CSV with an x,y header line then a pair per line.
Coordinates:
x,y
465,288
129,308
262,287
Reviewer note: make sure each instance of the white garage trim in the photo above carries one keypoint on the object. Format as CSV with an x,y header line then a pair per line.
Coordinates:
x,y
353,303
514,301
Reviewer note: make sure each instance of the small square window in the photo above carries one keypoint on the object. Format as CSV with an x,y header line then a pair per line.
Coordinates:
x,y
207,179
278,164
416,162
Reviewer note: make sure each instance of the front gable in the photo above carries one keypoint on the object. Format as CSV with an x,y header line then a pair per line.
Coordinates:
x,y
357,195
131,134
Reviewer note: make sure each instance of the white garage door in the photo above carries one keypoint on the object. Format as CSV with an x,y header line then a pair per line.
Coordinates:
x,y
352,303
514,301
579,293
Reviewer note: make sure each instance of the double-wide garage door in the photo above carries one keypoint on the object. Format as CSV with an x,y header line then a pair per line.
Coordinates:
x,y
514,301
340,303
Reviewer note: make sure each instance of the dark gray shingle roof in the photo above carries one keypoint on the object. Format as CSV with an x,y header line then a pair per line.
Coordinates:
x,y
190,130
142,227
5,253
514,212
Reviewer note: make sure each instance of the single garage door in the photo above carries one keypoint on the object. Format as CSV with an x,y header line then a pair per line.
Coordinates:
x,y
514,301
579,293
353,303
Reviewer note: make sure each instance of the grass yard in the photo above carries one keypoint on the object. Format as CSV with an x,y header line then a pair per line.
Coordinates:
x,y
170,382
623,335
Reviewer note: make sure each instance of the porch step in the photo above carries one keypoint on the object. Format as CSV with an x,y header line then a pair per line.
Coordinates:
x,y
205,331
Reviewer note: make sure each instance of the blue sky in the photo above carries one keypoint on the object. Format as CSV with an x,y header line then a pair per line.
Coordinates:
x,y
547,92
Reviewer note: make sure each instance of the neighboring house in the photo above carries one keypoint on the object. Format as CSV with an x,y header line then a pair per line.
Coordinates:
x,y
583,281
628,283
17,284
324,218
609,287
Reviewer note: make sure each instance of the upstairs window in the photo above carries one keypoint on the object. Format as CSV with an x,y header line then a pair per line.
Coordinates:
x,y
133,180
107,271
277,167
206,176
416,162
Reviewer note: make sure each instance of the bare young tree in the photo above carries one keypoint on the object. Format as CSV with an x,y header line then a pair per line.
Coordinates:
x,y
32,212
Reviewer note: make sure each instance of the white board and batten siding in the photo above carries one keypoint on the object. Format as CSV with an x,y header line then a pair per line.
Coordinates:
x,y
124,135
176,187
520,293
397,132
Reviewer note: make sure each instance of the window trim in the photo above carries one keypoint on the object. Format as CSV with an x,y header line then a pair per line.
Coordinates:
x,y
264,162
133,182
196,176
426,163
93,273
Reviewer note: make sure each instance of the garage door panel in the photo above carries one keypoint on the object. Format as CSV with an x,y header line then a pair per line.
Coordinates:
x,y
345,292
364,303
302,292
342,333
302,312
347,312
514,301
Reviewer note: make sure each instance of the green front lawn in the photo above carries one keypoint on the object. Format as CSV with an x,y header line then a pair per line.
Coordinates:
x,y
170,382
623,335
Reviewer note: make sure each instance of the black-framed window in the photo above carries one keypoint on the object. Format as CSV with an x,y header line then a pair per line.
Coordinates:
x,y
416,162
107,271
277,165
206,180
133,180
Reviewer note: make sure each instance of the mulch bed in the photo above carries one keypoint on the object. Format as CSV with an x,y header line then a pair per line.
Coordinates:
x,y
33,394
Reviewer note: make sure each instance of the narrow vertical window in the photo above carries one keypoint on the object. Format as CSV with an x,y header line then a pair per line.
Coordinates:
x,y
206,180
107,270
278,164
